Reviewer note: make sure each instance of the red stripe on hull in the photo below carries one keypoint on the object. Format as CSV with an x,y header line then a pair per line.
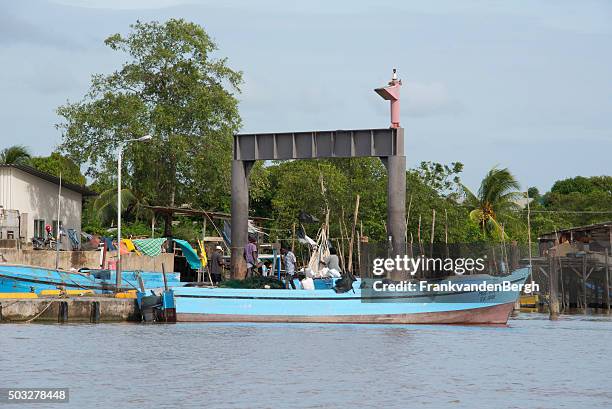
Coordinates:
x,y
495,314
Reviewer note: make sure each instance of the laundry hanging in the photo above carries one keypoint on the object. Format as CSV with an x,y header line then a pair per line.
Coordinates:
x,y
150,247
189,253
203,255
129,246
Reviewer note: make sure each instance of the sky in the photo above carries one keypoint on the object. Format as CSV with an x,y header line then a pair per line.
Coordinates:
x,y
520,84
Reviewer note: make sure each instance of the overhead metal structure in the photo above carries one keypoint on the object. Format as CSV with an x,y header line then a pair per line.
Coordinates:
x,y
387,144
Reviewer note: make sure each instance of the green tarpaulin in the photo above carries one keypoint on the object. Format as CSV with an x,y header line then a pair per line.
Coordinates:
x,y
149,247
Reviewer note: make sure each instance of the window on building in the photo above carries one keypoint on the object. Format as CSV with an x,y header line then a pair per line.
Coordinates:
x,y
39,228
54,227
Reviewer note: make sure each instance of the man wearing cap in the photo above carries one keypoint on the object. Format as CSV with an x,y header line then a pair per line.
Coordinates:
x,y
216,264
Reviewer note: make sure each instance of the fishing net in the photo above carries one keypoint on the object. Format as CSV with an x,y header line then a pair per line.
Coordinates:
x,y
253,282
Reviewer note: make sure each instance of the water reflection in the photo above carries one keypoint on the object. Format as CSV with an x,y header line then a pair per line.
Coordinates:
x,y
532,362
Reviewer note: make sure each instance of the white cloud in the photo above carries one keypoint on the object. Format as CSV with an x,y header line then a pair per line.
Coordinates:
x,y
124,4
428,99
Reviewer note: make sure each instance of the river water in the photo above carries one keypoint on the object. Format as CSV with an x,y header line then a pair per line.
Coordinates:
x,y
532,363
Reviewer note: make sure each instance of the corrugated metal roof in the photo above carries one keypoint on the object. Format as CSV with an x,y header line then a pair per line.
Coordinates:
x,y
590,227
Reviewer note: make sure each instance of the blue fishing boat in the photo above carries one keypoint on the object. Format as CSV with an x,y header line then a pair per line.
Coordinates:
x,y
20,278
465,305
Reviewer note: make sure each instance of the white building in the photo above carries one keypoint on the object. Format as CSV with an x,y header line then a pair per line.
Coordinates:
x,y
29,200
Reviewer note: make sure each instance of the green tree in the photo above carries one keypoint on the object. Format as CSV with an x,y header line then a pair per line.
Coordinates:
x,y
495,202
105,206
283,189
173,88
55,164
534,193
443,178
13,155
578,201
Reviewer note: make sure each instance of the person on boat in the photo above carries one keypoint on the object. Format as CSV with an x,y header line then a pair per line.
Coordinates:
x,y
307,281
332,262
290,261
251,256
216,265
265,269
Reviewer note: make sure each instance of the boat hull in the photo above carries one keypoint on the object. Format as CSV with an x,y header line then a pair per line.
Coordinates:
x,y
353,307
486,315
29,279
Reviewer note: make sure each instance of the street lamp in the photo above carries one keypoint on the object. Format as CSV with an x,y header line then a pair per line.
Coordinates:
x,y
119,160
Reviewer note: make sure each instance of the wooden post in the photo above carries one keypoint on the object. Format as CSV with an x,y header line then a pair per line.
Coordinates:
x,y
293,238
446,234
433,231
553,299
419,236
563,301
364,264
168,225
407,221
514,256
164,277
584,284
359,235
607,283
352,240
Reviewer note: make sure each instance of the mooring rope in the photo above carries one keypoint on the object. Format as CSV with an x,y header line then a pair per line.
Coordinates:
x,y
33,318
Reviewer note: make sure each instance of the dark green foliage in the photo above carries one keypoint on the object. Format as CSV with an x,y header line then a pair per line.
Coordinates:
x,y
55,164
14,155
172,88
494,207
583,197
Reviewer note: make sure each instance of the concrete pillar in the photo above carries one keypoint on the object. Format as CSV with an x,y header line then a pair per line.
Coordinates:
x,y
240,216
396,206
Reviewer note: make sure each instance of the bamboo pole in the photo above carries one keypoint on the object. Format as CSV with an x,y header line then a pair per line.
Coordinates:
x,y
407,221
350,252
433,231
446,233
584,283
419,236
504,249
341,256
607,282
293,238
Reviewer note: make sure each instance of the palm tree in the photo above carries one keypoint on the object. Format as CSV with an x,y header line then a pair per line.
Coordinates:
x,y
495,201
13,155
105,205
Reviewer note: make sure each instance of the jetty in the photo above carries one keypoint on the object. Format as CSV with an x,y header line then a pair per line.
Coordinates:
x,y
27,307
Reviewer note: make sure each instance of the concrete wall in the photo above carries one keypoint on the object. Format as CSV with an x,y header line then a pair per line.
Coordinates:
x,y
85,259
38,198
76,309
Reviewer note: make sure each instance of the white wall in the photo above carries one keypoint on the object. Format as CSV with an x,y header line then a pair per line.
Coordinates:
x,y
38,198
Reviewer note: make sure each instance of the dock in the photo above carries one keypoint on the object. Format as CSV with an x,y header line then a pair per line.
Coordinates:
x,y
69,309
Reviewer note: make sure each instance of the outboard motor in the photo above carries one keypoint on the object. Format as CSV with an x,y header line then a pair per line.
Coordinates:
x,y
345,283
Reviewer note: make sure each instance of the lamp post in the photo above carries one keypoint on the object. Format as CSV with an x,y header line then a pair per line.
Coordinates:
x,y
119,160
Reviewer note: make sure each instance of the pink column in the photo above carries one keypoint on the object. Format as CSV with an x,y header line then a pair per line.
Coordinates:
x,y
392,93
